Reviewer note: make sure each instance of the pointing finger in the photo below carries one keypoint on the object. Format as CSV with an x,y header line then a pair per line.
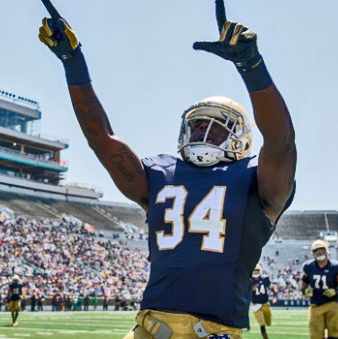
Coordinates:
x,y
220,14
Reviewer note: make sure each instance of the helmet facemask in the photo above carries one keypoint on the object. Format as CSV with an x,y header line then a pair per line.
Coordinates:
x,y
320,254
320,250
257,272
212,132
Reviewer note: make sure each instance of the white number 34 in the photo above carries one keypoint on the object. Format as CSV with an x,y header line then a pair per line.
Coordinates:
x,y
206,218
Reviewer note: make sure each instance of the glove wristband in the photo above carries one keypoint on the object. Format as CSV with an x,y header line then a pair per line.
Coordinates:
x,y
76,69
257,78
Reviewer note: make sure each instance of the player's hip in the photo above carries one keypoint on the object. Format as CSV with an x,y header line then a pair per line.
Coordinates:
x,y
159,324
323,308
219,303
263,315
14,305
261,307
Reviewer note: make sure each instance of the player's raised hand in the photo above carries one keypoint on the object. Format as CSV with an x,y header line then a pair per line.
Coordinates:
x,y
236,42
57,34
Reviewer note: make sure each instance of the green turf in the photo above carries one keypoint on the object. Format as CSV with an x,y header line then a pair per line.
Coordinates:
x,y
291,324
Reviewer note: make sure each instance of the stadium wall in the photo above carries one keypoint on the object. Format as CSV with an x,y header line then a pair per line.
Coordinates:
x,y
22,186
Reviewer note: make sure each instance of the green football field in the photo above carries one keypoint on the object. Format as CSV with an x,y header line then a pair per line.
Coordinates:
x,y
287,324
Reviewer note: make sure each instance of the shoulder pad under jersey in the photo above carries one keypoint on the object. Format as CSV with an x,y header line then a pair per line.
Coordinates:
x,y
307,264
163,160
253,161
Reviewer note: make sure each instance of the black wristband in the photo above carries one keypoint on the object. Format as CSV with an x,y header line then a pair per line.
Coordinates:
x,y
257,78
76,69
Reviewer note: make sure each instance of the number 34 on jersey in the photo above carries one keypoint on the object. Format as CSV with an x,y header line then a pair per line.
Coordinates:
x,y
205,219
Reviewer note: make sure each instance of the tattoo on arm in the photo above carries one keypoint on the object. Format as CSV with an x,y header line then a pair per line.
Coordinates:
x,y
90,113
122,163
124,167
128,174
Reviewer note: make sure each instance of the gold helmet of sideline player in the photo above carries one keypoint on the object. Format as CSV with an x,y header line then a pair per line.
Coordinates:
x,y
257,272
213,130
320,244
16,278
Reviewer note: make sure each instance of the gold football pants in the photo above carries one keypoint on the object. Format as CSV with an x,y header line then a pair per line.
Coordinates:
x,y
165,325
263,315
323,317
14,306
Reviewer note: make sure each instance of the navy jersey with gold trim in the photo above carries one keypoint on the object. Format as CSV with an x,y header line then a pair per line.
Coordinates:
x,y
15,291
321,279
260,288
206,232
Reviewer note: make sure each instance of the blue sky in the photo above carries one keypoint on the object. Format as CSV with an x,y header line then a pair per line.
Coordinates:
x,y
146,74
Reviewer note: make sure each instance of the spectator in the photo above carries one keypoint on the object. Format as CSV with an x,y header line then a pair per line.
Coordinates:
x,y
33,302
39,303
57,257
86,302
105,303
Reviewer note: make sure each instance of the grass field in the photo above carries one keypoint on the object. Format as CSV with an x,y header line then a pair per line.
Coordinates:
x,y
287,324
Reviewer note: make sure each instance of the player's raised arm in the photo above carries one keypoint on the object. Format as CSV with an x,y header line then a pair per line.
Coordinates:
x,y
277,160
121,162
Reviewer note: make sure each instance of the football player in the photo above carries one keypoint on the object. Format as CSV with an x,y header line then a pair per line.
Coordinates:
x,y
320,284
210,212
14,299
260,299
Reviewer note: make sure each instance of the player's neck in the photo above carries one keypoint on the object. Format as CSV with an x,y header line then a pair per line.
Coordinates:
x,y
323,263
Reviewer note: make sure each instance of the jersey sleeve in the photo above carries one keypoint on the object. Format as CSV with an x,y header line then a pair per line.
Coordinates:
x,y
148,162
156,166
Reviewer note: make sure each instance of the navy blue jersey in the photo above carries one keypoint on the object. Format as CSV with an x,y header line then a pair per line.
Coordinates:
x,y
321,279
15,291
206,232
260,287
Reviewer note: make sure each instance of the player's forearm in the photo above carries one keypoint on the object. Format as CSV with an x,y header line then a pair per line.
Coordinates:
x,y
273,119
270,111
90,113
88,109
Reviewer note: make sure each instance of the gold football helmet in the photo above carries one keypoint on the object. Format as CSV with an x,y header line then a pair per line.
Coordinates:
x,y
213,130
257,272
316,245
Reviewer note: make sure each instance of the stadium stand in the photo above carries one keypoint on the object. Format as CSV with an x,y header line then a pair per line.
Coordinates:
x,y
59,259
303,225
64,264
102,215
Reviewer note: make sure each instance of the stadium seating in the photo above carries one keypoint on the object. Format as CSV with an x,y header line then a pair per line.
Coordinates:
x,y
47,242
104,216
306,224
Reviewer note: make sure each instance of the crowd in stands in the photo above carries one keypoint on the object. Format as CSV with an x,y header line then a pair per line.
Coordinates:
x,y
61,261
63,264
285,279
